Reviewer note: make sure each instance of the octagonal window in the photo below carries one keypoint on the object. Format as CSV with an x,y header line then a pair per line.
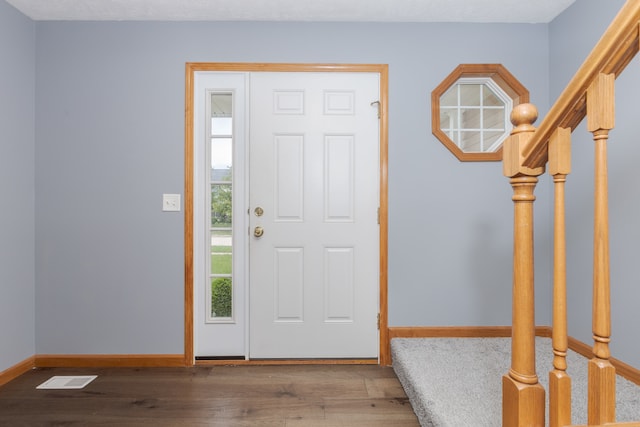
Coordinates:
x,y
471,109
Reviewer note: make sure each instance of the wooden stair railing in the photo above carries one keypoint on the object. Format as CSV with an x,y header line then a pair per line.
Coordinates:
x,y
526,153
559,381
522,395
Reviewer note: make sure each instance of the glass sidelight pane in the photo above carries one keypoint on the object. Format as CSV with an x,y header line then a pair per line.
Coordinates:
x,y
221,209
221,159
221,260
221,205
221,297
221,269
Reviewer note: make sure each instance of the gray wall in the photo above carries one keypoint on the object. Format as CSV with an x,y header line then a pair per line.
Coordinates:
x,y
109,131
17,118
109,266
572,37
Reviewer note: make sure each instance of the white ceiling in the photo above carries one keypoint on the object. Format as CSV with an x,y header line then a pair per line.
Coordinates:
x,y
515,11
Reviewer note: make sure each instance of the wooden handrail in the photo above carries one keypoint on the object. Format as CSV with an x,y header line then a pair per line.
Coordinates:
x,y
526,152
616,48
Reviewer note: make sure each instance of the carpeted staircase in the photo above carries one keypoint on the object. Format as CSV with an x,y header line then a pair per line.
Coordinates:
x,y
457,382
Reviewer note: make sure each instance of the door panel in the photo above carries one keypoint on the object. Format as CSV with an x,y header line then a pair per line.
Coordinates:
x,y
314,172
219,336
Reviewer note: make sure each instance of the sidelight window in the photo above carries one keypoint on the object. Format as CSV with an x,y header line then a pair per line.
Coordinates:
x,y
220,212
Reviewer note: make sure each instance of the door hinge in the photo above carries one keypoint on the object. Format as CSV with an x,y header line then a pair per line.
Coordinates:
x,y
378,321
377,104
378,216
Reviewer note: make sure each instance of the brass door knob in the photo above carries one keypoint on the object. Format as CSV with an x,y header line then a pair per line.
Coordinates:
x,y
258,231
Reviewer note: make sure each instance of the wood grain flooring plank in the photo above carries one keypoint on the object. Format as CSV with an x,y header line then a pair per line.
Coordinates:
x,y
384,387
369,409
353,423
220,396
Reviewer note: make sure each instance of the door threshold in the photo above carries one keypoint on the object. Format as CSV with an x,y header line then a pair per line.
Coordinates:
x,y
263,362
198,358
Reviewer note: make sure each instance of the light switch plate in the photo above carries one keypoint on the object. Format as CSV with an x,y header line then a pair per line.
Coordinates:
x,y
171,202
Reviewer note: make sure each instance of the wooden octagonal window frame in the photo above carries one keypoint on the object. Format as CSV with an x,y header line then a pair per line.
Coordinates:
x,y
500,84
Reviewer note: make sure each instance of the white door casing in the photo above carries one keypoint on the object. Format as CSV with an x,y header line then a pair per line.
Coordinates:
x,y
314,156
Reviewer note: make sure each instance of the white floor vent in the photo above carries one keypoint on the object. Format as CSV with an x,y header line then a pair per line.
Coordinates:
x,y
67,382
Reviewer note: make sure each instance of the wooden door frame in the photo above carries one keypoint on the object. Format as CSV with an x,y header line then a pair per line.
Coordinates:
x,y
191,68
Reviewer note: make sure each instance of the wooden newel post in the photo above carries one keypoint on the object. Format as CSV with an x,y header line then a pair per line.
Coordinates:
x,y
523,398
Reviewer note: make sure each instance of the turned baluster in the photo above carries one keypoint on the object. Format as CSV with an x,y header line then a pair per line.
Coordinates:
x,y
522,395
600,119
559,381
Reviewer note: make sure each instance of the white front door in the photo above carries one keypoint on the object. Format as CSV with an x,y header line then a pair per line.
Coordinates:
x,y
313,215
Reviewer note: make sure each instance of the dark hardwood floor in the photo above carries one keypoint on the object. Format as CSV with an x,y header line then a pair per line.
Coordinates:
x,y
266,396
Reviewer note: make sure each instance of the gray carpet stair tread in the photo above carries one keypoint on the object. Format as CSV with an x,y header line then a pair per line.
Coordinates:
x,y
457,382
